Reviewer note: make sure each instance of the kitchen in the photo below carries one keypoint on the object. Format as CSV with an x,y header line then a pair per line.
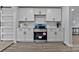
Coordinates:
x,y
35,24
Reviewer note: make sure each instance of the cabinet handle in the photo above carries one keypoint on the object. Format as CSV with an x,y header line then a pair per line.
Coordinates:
x,y
24,32
54,19
25,18
39,11
55,33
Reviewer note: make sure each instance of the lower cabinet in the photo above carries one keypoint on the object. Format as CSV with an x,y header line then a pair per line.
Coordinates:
x,y
25,35
59,36
51,35
54,36
20,35
29,34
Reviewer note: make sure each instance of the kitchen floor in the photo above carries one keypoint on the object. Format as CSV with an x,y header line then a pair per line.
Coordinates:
x,y
38,47
4,45
44,47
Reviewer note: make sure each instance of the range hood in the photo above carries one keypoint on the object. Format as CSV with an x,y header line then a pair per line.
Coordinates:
x,y
40,26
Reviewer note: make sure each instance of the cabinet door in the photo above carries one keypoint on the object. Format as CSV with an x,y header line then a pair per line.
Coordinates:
x,y
20,35
43,11
25,35
37,10
59,36
29,34
26,14
51,35
53,14
40,11
29,15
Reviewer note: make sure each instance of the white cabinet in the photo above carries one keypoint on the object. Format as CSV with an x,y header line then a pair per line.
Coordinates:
x,y
38,11
26,14
59,36
51,35
25,35
54,36
20,35
53,14
29,37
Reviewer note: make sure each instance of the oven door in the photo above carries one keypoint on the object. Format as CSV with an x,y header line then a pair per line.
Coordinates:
x,y
40,36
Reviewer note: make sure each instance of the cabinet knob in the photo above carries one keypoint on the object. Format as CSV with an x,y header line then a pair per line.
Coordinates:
x,y
53,18
39,11
25,18
24,32
55,33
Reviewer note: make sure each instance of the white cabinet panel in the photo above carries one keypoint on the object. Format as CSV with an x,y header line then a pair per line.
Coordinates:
x,y
51,35
26,14
40,11
53,14
20,35
36,11
54,35
29,35
40,19
59,36
25,36
43,10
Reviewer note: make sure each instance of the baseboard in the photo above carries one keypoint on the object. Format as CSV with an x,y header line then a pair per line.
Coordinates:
x,y
24,41
54,41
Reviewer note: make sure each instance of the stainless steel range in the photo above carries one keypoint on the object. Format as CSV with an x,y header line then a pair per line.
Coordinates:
x,y
40,33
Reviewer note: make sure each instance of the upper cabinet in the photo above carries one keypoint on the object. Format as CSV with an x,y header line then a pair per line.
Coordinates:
x,y
39,11
53,14
26,14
